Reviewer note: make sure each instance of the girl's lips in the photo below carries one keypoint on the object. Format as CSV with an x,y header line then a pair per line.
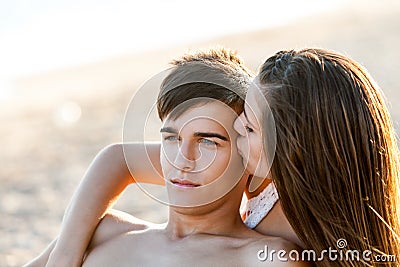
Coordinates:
x,y
240,152
184,183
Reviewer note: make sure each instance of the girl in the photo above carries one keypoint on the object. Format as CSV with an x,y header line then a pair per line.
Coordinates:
x,y
336,160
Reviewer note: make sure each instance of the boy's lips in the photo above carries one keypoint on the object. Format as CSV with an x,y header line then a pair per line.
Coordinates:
x,y
183,183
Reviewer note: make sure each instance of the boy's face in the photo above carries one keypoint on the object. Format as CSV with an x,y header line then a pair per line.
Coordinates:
x,y
198,148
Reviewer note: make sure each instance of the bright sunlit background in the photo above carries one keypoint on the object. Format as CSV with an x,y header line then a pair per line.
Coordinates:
x,y
69,68
39,36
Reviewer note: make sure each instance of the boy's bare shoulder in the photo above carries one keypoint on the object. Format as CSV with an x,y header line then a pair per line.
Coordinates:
x,y
116,223
127,248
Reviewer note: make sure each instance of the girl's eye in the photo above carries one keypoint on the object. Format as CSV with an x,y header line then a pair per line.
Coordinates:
x,y
208,142
171,138
248,129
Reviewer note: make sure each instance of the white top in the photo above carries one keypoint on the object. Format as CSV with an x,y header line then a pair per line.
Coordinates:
x,y
258,207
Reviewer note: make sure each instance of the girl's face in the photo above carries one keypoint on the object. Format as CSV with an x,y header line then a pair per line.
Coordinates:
x,y
250,140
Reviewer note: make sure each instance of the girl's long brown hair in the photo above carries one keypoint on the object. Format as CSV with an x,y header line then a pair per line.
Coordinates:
x,y
336,166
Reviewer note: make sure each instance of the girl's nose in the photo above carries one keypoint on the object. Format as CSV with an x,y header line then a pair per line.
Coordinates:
x,y
238,125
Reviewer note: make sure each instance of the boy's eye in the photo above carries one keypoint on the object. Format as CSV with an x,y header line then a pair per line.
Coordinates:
x,y
171,138
208,142
248,129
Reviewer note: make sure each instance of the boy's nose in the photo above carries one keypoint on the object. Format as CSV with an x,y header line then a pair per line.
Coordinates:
x,y
186,157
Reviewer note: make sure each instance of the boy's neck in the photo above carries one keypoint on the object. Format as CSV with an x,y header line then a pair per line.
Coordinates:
x,y
220,217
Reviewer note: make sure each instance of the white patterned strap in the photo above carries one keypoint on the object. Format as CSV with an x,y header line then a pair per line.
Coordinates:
x,y
258,207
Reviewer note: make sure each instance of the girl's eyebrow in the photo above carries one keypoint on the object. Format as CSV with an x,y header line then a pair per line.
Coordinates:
x,y
211,134
247,118
245,114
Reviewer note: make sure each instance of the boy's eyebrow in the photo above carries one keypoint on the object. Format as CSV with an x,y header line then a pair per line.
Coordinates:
x,y
168,130
196,134
211,134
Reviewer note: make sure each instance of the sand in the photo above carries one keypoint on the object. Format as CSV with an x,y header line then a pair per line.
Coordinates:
x,y
43,157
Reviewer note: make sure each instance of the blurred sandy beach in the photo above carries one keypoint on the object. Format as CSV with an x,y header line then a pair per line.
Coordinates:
x,y
57,122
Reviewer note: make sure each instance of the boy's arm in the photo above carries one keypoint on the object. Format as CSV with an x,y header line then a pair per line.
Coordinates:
x,y
103,183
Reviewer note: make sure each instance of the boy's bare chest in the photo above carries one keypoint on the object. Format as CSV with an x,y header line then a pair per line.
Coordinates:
x,y
152,250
